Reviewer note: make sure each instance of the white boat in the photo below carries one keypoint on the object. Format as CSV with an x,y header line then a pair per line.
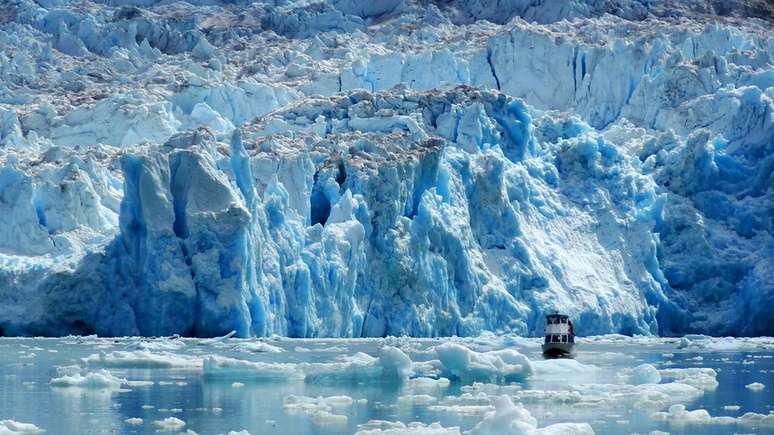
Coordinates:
x,y
560,337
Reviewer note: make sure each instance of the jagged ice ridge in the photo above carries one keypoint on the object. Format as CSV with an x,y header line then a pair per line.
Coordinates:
x,y
382,168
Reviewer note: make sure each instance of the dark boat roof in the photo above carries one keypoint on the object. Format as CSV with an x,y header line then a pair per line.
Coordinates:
x,y
557,316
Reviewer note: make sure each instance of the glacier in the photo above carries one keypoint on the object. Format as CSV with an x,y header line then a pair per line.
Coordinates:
x,y
400,167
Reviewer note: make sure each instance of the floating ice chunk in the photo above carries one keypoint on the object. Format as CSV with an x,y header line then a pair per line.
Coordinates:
x,y
310,405
338,401
304,404
644,374
68,370
596,396
258,346
223,368
381,427
416,399
237,385
428,383
142,359
319,408
462,410
241,432
510,419
101,379
756,420
139,383
217,339
170,424
11,427
732,407
392,365
677,414
324,418
562,368
755,386
133,421
158,344
468,404
459,362
702,378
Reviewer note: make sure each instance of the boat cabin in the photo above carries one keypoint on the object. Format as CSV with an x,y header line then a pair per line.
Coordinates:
x,y
559,329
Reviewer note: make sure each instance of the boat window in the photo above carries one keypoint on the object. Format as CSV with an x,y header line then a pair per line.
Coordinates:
x,y
556,339
564,339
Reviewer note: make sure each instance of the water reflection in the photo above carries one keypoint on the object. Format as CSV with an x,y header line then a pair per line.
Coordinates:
x,y
590,387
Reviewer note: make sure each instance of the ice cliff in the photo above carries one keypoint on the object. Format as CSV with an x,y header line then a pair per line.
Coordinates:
x,y
414,167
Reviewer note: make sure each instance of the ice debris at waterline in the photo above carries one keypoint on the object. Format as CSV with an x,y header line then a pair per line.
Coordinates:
x,y
389,168
477,386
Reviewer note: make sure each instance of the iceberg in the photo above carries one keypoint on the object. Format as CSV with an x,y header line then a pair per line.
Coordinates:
x,y
392,168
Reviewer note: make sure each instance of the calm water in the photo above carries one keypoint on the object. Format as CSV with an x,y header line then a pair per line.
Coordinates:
x,y
601,395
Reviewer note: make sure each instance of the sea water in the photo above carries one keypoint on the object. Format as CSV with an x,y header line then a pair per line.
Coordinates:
x,y
616,384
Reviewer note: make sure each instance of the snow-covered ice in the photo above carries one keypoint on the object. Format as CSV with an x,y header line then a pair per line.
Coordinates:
x,y
351,169
755,386
11,427
101,379
169,424
508,418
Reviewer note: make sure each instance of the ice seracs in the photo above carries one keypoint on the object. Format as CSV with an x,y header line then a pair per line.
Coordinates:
x,y
397,168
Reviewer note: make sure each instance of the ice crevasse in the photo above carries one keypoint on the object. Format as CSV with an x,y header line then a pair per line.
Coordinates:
x,y
374,172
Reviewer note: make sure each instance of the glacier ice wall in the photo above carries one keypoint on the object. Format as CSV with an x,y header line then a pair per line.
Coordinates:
x,y
384,168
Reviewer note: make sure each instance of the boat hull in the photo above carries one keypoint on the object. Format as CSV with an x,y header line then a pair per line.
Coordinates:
x,y
558,349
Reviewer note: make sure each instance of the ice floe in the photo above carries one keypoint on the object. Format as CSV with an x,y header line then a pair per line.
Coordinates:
x,y
101,379
170,424
755,386
679,415
142,359
224,368
460,363
11,427
513,419
381,427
